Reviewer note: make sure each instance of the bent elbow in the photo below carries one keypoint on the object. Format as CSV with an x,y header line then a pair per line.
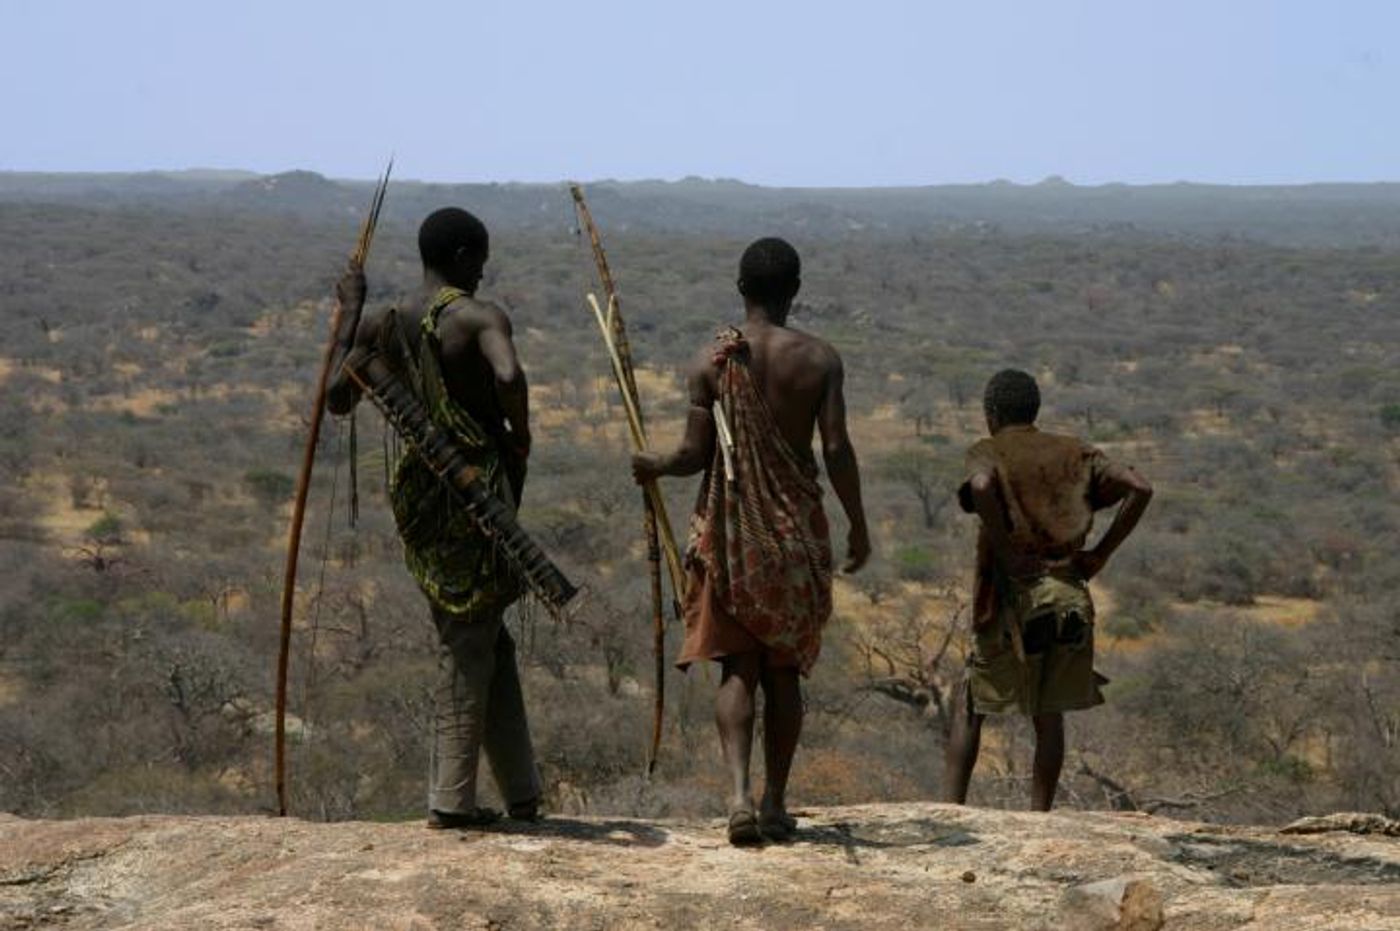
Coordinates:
x,y
509,375
690,459
838,454
980,484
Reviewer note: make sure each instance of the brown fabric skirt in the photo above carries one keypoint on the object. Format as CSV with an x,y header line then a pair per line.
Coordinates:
x,y
712,633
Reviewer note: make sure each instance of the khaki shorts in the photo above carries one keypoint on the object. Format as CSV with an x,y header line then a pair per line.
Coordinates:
x,y
1056,620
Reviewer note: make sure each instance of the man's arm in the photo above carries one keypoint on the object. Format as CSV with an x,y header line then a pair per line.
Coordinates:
x,y
1090,562
495,340
839,455
986,502
697,446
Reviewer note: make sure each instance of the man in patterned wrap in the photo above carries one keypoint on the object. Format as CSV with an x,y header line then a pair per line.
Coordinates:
x,y
1032,618
759,563
458,357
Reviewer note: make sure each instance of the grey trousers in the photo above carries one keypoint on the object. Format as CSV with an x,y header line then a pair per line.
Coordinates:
x,y
478,703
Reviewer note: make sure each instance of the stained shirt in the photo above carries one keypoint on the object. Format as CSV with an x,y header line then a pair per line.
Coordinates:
x,y
1049,487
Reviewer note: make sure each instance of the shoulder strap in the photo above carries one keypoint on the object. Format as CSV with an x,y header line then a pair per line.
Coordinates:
x,y
433,389
443,299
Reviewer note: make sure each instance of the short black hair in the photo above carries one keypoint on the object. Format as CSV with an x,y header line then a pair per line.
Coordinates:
x,y
446,232
1012,397
770,271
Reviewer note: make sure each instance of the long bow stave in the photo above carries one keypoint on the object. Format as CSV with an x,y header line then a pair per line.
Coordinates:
x,y
308,462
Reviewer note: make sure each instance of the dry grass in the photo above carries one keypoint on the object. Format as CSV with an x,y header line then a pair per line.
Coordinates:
x,y
10,367
11,691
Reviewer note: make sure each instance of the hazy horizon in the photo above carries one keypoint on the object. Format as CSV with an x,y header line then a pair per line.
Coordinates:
x,y
786,95
1049,180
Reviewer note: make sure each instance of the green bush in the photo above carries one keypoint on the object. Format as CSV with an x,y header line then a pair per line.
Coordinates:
x,y
106,529
75,610
269,486
915,563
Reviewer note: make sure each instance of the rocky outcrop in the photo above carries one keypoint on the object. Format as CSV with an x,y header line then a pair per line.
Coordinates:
x,y
900,866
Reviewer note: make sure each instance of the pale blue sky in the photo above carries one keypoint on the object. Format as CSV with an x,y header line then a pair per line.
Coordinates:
x,y
866,92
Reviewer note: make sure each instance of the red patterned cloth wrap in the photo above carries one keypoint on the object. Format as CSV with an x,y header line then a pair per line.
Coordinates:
x,y
759,559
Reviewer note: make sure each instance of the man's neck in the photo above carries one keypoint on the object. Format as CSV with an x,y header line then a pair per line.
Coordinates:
x,y
758,315
434,281
1013,428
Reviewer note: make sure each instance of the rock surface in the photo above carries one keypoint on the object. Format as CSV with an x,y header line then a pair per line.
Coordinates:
x,y
900,866
1127,903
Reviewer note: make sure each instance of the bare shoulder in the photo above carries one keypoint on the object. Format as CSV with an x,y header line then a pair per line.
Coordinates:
x,y
703,368
475,315
816,353
818,348
466,320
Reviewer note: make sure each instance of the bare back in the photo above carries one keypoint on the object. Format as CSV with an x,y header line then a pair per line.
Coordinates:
x,y
793,371
802,381
467,372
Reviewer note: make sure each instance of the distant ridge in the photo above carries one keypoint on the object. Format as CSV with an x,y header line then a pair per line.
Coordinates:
x,y
1328,214
304,192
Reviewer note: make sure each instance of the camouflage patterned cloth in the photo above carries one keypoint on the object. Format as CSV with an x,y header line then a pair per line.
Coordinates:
x,y
760,553
455,565
1037,657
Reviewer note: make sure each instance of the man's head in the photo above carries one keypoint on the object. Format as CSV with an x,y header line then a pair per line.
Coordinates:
x,y
770,274
1012,398
454,245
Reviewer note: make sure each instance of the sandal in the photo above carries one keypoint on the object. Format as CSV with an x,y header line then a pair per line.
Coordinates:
x,y
743,828
456,820
777,826
528,810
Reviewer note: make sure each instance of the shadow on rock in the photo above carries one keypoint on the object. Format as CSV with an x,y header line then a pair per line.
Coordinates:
x,y
922,832
1242,862
613,833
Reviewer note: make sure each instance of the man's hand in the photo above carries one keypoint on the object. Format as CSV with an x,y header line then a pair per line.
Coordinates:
x,y
520,443
1089,563
350,289
515,460
857,550
1018,564
350,292
647,467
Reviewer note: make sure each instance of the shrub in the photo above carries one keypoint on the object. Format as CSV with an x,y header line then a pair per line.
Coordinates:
x,y
269,486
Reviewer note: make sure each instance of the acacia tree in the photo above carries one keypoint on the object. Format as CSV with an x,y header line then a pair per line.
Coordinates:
x,y
931,479
909,659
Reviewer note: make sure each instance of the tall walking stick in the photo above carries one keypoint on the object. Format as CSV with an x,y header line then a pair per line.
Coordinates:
x,y
656,526
308,461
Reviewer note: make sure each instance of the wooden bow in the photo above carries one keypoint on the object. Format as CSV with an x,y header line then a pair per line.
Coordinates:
x,y
308,461
657,525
